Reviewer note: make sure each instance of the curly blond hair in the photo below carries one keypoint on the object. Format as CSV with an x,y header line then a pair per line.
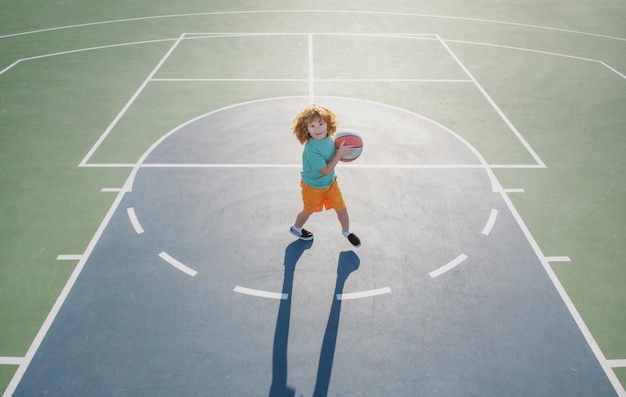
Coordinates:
x,y
308,114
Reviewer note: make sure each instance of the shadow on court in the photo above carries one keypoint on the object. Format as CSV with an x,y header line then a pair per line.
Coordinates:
x,y
348,263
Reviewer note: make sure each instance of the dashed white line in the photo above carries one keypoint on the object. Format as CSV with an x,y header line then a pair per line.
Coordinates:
x,y
134,221
490,222
616,363
11,360
363,294
183,268
457,261
558,259
69,257
513,190
261,294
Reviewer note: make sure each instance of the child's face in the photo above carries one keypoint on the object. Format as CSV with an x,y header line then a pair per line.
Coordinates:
x,y
318,129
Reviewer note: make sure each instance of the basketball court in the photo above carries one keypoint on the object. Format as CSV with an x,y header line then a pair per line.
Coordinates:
x,y
191,284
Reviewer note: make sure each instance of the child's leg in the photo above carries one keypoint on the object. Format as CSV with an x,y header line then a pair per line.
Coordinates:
x,y
301,219
345,227
344,220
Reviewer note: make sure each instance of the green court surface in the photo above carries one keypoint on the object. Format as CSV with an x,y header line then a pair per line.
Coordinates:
x,y
538,89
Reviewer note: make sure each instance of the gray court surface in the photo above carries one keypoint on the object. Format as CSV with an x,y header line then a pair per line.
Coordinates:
x,y
196,287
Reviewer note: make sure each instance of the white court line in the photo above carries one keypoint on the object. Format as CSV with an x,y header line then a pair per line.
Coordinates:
x,y
294,165
558,259
617,363
541,52
363,294
80,50
311,80
490,222
177,80
130,102
457,261
394,81
493,104
346,12
11,360
261,294
351,165
133,220
311,75
23,366
183,268
69,257
593,344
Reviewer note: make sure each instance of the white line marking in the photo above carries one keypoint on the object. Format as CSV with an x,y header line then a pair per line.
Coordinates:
x,y
352,165
10,66
363,294
540,52
613,69
566,299
130,102
177,264
617,363
109,165
69,257
311,81
81,50
493,104
184,80
134,221
490,222
457,261
262,294
558,259
111,189
19,373
376,13
534,166
513,190
11,360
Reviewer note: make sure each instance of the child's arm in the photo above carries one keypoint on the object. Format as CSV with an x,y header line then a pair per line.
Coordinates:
x,y
341,151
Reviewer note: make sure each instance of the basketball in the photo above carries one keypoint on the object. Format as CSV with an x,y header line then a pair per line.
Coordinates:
x,y
350,139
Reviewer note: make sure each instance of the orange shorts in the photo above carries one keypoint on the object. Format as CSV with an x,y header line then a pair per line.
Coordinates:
x,y
317,199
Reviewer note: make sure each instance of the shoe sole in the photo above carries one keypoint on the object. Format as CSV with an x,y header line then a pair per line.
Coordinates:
x,y
300,237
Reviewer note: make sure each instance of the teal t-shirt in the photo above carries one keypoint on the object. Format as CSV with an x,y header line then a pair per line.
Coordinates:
x,y
315,156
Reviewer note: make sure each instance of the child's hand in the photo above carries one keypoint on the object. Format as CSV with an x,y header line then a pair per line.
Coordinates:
x,y
344,149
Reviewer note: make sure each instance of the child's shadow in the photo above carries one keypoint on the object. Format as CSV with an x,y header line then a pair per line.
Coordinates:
x,y
348,262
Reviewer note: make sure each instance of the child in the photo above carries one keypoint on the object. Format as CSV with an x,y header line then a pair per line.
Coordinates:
x,y
314,127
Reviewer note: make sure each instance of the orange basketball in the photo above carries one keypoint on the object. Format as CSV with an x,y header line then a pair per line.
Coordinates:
x,y
352,139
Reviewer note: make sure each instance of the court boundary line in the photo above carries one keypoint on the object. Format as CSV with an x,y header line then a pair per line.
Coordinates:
x,y
580,322
60,300
242,12
79,50
550,53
